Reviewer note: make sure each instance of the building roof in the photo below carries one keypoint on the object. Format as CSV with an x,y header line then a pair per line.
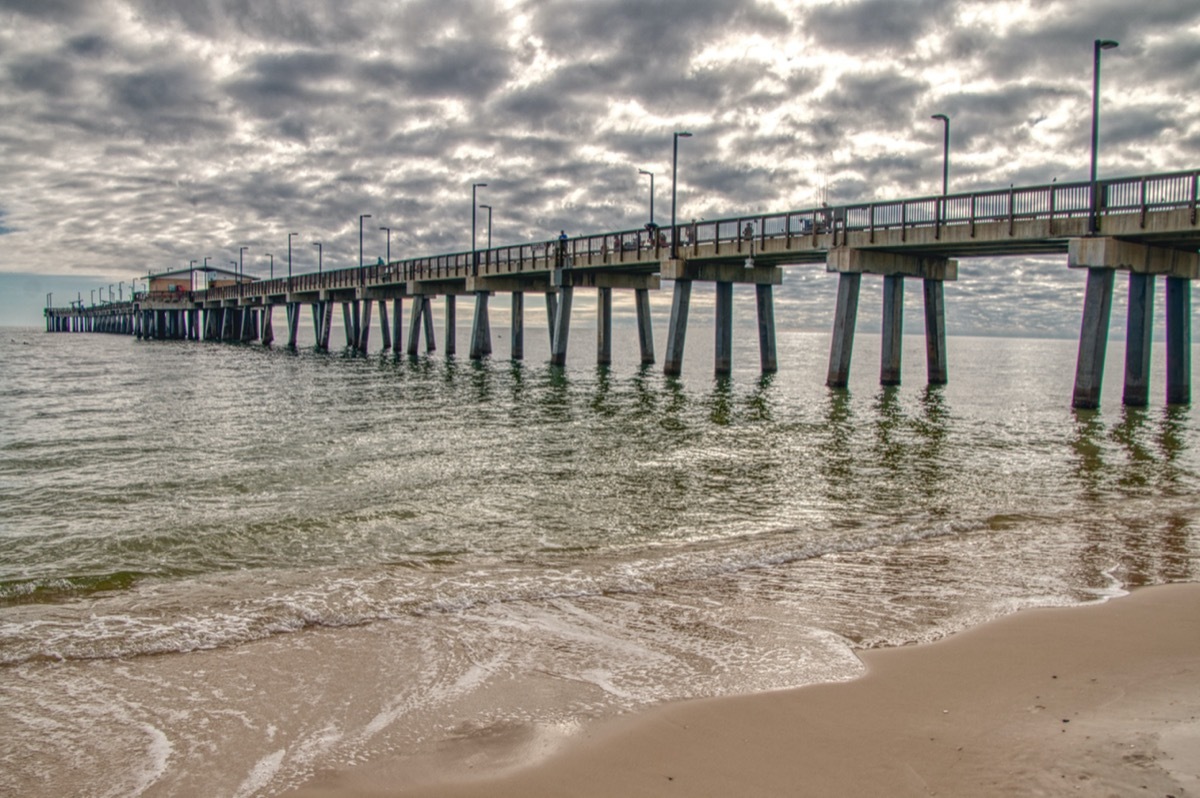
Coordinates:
x,y
203,269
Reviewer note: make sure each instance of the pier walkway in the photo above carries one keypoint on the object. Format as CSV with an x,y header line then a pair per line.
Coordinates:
x,y
1144,225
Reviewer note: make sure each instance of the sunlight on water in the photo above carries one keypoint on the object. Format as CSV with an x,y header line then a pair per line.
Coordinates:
x,y
499,547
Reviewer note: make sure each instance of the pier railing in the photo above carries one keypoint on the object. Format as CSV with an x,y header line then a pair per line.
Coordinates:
x,y
813,228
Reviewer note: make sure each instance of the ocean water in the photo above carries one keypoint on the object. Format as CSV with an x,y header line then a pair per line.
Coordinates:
x,y
224,569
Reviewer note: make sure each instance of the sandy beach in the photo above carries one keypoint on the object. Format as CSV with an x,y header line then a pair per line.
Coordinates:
x,y
1100,700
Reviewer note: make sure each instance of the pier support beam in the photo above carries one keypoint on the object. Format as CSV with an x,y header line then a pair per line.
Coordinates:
x,y
326,323
1179,341
517,331
481,331
1102,257
562,326
414,332
936,362
451,326
1139,336
318,317
893,267
268,331
765,301
604,326
677,328
385,331
348,323
551,314
427,317
645,331
723,348
893,329
364,326
397,324
844,321
1093,338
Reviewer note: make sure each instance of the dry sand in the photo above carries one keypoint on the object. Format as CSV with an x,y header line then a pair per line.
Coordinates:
x,y
1102,700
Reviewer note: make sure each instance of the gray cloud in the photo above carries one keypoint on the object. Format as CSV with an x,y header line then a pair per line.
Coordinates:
x,y
141,134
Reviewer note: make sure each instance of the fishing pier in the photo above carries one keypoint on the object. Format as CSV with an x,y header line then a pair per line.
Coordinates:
x,y
1145,226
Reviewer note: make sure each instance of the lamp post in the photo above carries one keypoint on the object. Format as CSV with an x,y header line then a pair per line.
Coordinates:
x,y
945,151
360,235
317,244
644,172
93,297
489,210
241,268
272,257
674,185
474,256
388,252
289,285
1100,44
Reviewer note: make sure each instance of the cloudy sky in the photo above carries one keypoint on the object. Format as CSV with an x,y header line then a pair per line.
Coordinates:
x,y
140,134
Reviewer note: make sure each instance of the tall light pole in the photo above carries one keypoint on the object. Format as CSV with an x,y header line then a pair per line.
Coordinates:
x,y
317,244
644,172
93,297
360,234
388,255
1101,44
289,285
489,210
241,268
272,257
474,255
945,151
674,185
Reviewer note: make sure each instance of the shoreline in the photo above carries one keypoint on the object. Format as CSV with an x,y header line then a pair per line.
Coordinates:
x,y
1095,700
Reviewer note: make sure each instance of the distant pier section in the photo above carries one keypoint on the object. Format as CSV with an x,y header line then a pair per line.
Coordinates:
x,y
1144,225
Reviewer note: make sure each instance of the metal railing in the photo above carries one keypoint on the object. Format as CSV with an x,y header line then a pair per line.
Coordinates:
x,y
816,228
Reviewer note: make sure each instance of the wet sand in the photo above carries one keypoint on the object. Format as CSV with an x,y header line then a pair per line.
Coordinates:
x,y
1101,700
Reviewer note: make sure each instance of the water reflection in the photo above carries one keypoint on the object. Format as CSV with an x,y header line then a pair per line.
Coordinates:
x,y
1085,443
720,401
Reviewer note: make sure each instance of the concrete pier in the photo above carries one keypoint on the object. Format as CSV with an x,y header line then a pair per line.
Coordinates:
x,y
645,331
385,331
604,326
723,347
893,267
451,325
397,324
765,305
551,314
481,331
677,328
1103,257
1179,341
844,320
1093,338
936,359
893,329
517,329
1139,336
562,326
364,330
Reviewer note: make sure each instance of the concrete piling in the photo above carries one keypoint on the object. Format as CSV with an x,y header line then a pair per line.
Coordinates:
x,y
604,327
765,302
1179,341
1093,338
893,329
936,360
723,346
1139,336
677,328
562,326
844,320
645,332
517,330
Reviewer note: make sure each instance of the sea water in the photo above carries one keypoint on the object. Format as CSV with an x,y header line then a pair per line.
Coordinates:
x,y
225,568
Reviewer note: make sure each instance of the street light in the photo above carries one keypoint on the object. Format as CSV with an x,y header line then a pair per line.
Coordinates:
x,y
945,151
388,256
674,185
272,257
474,255
644,172
290,259
241,269
317,244
489,210
360,234
1101,44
